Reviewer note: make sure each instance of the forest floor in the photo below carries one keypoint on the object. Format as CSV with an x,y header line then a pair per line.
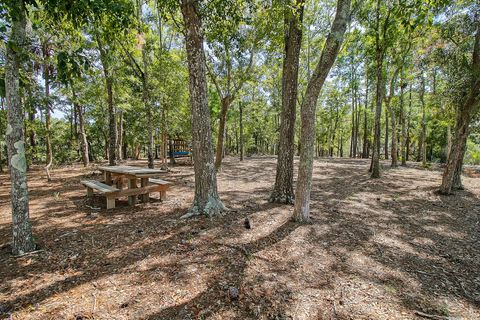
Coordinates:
x,y
376,249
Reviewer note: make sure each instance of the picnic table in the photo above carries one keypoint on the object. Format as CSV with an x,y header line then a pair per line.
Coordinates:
x,y
113,186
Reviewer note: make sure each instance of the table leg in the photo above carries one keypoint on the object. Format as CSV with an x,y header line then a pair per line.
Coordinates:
x,y
132,184
145,196
110,202
107,176
163,195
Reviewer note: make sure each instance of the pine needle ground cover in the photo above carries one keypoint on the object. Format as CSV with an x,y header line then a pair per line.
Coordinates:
x,y
375,249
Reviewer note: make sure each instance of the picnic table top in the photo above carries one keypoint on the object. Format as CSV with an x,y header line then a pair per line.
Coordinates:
x,y
131,170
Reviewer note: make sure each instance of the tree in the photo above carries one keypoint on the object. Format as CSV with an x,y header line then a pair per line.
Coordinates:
x,y
465,114
206,200
307,138
71,63
403,120
105,58
23,241
380,48
422,147
46,53
231,43
283,188
398,65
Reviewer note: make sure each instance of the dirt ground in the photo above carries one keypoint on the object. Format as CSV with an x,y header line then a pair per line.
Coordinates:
x,y
376,249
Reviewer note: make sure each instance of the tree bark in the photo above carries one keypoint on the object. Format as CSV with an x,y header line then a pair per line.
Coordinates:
x,y
391,112
449,142
357,123
407,142
21,228
393,153
387,113
120,152
82,136
31,119
307,133
148,109
206,199
352,135
380,92
283,189
403,137
423,134
452,174
240,106
335,124
365,122
221,131
112,123
46,78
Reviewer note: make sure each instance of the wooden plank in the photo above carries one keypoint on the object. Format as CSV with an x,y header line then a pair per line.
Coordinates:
x,y
143,184
131,170
137,191
110,202
97,185
132,186
159,181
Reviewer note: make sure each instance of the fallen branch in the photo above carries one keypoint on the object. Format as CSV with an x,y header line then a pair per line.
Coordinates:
x,y
28,253
431,316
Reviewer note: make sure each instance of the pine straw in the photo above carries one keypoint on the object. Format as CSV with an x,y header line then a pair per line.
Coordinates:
x,y
376,249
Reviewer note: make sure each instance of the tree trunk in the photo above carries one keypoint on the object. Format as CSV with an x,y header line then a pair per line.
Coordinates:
x,y
120,153
391,112
112,123
206,199
452,174
457,177
451,179
221,132
307,133
283,188
380,92
240,106
449,141
423,147
407,142
46,77
82,136
352,135
357,124
365,122
148,108
21,228
393,122
403,137
387,113
31,118
334,132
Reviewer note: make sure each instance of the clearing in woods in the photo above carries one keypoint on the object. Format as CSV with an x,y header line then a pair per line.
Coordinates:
x,y
376,249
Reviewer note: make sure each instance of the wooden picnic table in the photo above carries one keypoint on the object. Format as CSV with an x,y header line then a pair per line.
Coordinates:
x,y
116,175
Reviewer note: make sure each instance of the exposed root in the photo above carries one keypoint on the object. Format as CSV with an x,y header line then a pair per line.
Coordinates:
x,y
212,207
282,198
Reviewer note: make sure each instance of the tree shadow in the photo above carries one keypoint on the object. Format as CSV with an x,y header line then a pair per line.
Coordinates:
x,y
412,245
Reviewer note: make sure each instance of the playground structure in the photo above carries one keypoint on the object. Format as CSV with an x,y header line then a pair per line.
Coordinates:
x,y
176,148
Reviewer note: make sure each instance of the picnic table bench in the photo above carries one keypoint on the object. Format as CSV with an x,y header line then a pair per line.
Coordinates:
x,y
113,185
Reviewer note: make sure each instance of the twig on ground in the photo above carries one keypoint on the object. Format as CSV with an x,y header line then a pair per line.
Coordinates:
x,y
94,303
431,316
334,309
29,253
